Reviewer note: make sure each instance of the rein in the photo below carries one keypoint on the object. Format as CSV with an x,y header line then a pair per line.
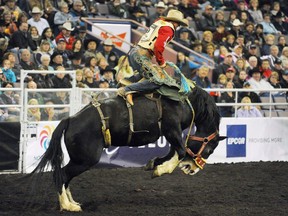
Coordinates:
x,y
199,160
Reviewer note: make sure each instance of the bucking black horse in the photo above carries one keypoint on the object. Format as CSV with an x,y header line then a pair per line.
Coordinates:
x,y
84,138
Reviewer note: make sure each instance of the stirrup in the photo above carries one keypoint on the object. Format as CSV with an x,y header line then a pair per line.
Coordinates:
x,y
129,98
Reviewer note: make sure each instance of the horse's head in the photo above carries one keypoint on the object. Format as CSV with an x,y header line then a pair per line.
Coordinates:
x,y
199,147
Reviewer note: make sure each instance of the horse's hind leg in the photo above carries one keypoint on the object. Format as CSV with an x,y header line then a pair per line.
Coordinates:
x,y
65,197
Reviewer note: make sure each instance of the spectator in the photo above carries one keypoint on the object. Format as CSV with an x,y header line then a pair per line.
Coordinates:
x,y
60,80
222,67
89,78
258,35
186,8
37,21
248,33
21,39
8,73
45,62
3,47
2,79
76,61
241,79
61,16
219,36
278,67
219,17
197,47
210,49
253,63
123,69
251,94
207,39
230,43
48,113
276,9
91,62
222,53
2,30
47,35
257,83
43,80
160,11
77,11
255,12
227,97
111,56
15,67
90,47
268,27
284,80
240,65
40,4
33,113
201,79
274,54
252,51
284,58
77,48
23,17
281,43
10,25
207,21
138,15
12,8
247,110
184,39
108,75
56,60
237,53
116,8
274,80
186,66
279,24
35,36
82,34
244,17
61,48
236,29
265,68
230,74
269,41
80,79
43,49
26,63
66,35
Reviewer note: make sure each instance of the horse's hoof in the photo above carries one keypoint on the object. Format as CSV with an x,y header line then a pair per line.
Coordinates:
x,y
71,207
149,166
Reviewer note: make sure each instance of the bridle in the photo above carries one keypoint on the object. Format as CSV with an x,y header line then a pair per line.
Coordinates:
x,y
198,159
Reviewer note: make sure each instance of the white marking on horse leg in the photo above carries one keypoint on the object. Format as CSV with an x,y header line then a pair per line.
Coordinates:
x,y
70,198
167,166
65,204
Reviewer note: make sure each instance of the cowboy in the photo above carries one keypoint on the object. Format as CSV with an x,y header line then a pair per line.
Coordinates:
x,y
151,44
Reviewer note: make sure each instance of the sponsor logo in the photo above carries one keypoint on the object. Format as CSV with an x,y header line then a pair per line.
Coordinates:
x,y
115,40
45,136
236,142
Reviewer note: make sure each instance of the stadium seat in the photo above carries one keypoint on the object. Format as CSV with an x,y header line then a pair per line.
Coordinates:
x,y
282,113
281,99
273,113
265,99
102,9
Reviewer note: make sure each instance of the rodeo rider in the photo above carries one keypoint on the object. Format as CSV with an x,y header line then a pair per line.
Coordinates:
x,y
152,43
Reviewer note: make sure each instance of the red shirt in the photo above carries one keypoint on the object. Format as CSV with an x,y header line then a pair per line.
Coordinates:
x,y
165,35
69,42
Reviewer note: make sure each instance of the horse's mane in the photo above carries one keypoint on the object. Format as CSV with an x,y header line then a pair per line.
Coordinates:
x,y
205,107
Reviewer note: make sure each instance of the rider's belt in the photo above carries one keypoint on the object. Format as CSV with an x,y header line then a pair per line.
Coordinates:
x,y
144,51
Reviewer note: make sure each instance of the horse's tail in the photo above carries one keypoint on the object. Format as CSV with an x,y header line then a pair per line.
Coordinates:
x,y
54,155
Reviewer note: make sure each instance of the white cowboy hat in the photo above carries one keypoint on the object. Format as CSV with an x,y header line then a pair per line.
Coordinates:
x,y
176,16
36,10
108,42
67,26
161,5
237,22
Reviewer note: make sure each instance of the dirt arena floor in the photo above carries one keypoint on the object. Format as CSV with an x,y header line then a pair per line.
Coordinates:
x,y
256,189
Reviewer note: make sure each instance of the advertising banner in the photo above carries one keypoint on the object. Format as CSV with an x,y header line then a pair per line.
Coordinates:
x,y
247,140
122,30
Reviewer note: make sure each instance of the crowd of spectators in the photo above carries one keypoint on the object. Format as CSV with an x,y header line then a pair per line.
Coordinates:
x,y
239,36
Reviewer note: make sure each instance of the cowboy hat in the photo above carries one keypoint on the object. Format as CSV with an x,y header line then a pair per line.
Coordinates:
x,y
175,16
161,5
88,40
108,69
67,26
108,42
36,10
237,22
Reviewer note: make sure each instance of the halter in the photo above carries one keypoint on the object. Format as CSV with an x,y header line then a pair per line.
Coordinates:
x,y
198,159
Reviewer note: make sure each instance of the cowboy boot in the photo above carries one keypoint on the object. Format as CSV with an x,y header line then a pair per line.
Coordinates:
x,y
129,98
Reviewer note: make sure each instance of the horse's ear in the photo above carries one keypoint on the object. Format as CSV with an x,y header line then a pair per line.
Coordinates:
x,y
221,138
